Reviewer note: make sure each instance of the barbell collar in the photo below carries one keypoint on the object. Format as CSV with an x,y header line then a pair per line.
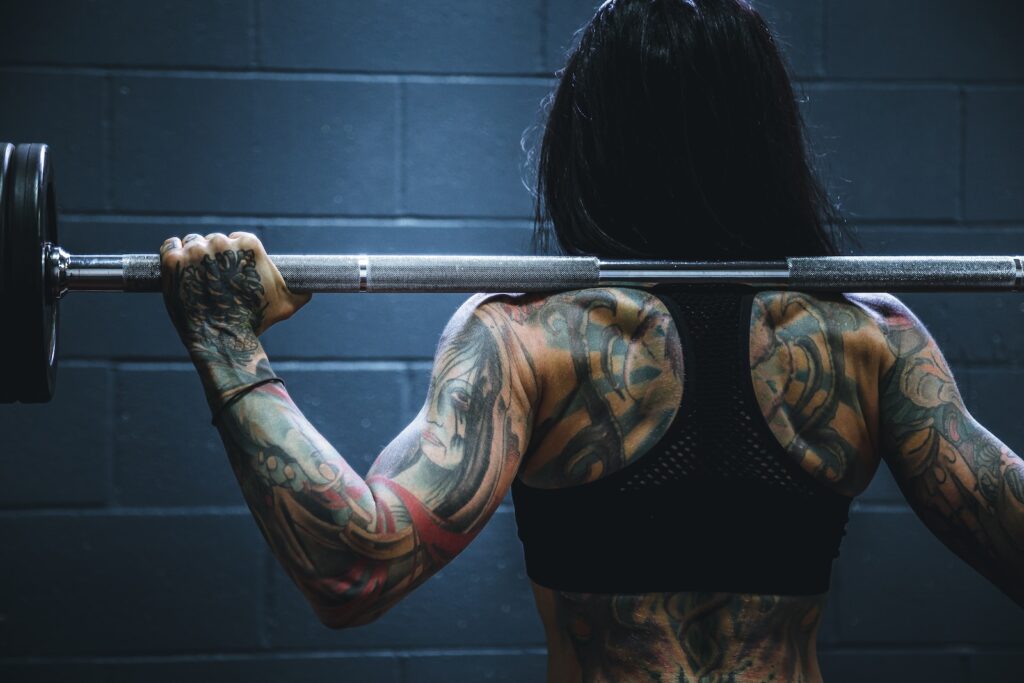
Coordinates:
x,y
427,273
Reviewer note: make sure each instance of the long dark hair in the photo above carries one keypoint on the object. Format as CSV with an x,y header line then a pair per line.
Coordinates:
x,y
674,132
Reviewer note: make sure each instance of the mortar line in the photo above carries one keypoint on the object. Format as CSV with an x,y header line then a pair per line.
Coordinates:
x,y
823,47
256,32
962,167
400,138
544,11
107,142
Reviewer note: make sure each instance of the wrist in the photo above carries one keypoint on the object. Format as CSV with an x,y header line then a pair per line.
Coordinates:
x,y
239,395
224,373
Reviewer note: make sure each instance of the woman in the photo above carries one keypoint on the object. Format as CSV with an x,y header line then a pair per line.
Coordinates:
x,y
682,461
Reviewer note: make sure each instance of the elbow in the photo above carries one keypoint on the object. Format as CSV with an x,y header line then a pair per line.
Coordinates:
x,y
351,593
339,601
349,616
337,605
350,596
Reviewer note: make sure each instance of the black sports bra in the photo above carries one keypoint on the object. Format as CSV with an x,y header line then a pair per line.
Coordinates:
x,y
715,505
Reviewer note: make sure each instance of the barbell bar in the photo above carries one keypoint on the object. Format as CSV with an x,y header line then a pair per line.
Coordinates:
x,y
35,273
340,273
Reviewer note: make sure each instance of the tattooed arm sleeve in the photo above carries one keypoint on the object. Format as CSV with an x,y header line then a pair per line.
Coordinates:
x,y
353,546
965,484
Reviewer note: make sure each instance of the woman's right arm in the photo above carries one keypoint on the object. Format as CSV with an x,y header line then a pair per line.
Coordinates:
x,y
964,483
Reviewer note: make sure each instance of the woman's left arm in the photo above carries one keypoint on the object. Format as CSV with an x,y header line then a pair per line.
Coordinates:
x,y
354,547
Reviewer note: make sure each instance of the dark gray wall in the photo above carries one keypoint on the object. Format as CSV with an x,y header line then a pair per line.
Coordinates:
x,y
394,126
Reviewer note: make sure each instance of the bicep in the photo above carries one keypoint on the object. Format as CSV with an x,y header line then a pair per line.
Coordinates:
x,y
448,470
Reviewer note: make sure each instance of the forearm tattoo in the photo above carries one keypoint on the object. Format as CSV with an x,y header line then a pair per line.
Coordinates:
x,y
963,482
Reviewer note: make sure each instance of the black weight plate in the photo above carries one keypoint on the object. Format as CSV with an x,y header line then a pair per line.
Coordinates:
x,y
6,157
32,221
8,354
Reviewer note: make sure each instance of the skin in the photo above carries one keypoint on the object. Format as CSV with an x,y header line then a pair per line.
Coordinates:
x,y
567,388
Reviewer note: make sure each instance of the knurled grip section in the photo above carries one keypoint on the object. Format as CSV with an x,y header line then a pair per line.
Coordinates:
x,y
479,273
141,272
419,273
319,273
906,273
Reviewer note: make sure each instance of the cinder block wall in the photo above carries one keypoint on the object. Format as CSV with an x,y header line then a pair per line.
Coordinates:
x,y
394,126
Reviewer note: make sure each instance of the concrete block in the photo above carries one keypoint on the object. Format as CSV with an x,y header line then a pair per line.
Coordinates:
x,y
889,153
434,237
238,145
924,39
67,113
881,666
898,584
1003,667
462,148
167,452
436,36
127,33
58,454
935,240
513,668
353,327
274,668
994,166
120,583
104,326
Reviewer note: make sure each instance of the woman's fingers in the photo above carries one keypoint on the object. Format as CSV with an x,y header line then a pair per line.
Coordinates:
x,y
214,239
169,244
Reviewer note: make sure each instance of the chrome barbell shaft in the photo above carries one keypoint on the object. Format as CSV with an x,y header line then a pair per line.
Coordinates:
x,y
430,273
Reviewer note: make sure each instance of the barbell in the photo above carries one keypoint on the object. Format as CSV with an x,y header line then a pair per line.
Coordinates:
x,y
35,273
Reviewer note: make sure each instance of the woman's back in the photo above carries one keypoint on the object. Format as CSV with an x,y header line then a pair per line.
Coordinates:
x,y
613,364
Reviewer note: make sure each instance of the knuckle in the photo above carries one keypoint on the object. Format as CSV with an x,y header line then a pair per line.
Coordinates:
x,y
251,242
194,249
